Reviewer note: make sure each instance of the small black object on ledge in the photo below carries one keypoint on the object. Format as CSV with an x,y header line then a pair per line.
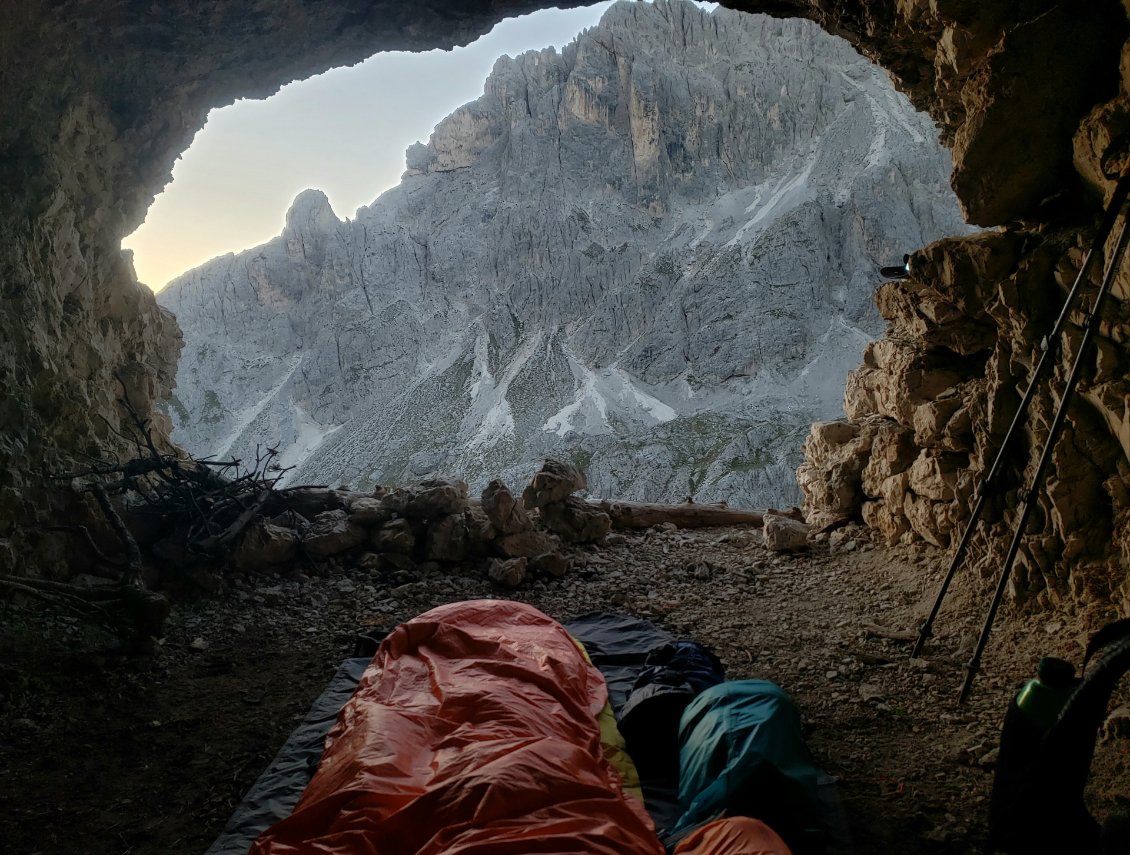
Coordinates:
x,y
896,271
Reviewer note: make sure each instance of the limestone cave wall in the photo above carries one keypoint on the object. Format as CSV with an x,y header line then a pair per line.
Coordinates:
x,y
1039,134
99,98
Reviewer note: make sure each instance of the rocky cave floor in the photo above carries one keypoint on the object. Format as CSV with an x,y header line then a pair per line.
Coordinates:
x,y
101,754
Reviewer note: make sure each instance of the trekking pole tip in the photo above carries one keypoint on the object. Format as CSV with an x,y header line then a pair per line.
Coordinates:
x,y
971,668
924,632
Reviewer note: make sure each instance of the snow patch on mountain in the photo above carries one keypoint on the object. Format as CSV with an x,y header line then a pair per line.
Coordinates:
x,y
311,434
245,417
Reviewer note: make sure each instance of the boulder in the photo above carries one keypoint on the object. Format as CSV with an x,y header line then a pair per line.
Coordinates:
x,y
576,521
447,540
897,376
892,452
835,455
526,544
331,533
311,501
369,562
503,510
481,532
966,269
437,499
825,436
930,520
394,536
943,423
920,313
396,501
886,519
264,545
935,475
292,520
785,535
554,483
552,564
369,511
894,489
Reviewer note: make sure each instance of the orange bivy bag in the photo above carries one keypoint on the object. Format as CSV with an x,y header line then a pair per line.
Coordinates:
x,y
474,731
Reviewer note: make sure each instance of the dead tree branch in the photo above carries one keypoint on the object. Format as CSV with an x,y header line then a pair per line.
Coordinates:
x,y
203,507
132,575
88,538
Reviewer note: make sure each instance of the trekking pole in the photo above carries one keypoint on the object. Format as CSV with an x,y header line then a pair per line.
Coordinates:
x,y
1028,497
989,484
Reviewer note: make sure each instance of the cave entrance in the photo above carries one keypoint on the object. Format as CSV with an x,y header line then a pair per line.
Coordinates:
x,y
651,251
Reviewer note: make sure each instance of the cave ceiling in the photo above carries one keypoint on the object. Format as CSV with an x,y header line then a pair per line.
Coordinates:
x,y
146,74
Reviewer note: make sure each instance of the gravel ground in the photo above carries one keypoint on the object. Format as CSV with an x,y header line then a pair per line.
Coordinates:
x,y
103,754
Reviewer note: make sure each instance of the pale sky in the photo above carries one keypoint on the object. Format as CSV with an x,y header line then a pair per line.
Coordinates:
x,y
343,132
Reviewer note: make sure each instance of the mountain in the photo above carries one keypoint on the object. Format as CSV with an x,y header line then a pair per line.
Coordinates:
x,y
652,253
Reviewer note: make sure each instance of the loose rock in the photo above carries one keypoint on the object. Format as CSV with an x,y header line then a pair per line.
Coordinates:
x,y
509,573
503,510
785,535
331,533
554,483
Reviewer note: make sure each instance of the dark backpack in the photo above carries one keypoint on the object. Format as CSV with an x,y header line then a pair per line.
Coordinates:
x,y
1037,802
673,676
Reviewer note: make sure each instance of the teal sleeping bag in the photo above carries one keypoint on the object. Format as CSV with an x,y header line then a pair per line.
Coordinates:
x,y
741,753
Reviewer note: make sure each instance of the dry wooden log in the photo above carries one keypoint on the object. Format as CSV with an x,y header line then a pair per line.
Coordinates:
x,y
133,571
686,515
130,610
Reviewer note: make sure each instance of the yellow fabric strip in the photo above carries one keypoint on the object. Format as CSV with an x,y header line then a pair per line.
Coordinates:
x,y
615,750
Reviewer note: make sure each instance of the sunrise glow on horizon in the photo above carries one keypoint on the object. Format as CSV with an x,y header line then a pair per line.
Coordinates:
x,y
343,132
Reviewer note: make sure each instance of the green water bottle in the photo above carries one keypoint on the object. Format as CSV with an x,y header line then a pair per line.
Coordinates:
x,y
1043,698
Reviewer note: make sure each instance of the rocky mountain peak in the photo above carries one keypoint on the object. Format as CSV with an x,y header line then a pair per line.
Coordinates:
x,y
310,236
310,216
652,253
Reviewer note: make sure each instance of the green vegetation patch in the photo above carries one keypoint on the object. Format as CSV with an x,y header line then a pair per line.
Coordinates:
x,y
212,413
175,404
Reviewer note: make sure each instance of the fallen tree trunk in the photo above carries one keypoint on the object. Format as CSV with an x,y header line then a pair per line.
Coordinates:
x,y
685,515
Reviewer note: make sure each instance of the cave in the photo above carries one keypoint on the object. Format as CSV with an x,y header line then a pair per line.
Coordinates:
x,y
92,127
1034,99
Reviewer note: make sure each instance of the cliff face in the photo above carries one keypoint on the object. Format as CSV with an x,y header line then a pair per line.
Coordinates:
x,y
653,252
